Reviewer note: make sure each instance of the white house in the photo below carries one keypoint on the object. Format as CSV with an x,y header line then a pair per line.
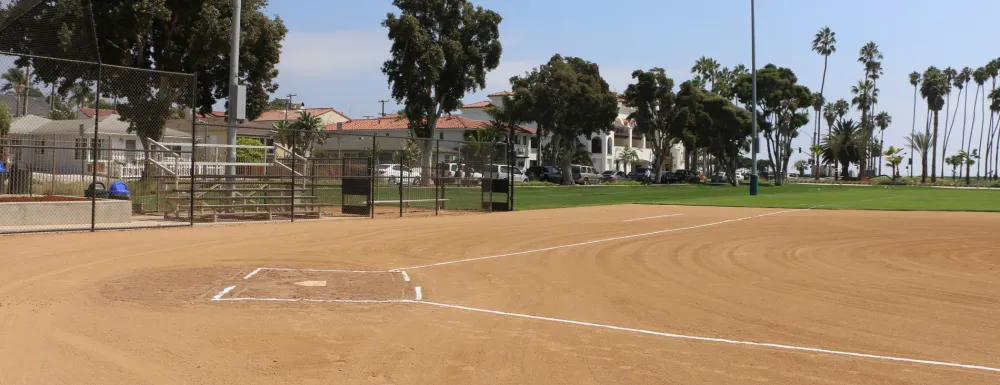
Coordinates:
x,y
63,147
605,147
391,133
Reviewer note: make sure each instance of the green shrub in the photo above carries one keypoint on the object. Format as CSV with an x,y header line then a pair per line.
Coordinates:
x,y
622,183
535,183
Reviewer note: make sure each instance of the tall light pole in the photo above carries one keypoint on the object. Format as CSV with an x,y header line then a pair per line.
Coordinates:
x,y
754,182
234,99
288,104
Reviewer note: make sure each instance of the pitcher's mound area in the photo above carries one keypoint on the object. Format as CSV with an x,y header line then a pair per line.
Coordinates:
x,y
321,285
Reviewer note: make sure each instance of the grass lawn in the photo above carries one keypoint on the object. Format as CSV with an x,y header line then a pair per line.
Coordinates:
x,y
791,196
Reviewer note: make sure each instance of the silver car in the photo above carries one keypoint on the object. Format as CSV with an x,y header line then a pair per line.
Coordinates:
x,y
585,175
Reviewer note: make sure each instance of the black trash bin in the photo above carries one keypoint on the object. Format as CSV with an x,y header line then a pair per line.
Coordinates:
x,y
19,181
96,190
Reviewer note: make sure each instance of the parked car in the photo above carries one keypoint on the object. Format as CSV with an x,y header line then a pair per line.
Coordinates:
x,y
687,176
585,175
668,177
398,174
641,174
459,173
502,171
612,175
544,174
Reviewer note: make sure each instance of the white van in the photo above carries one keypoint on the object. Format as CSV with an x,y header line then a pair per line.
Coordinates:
x,y
585,174
501,171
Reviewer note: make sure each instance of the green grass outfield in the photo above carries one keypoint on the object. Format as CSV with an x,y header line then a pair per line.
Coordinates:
x,y
791,196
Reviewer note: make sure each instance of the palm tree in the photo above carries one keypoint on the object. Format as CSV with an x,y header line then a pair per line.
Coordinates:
x,y
17,82
894,156
870,56
882,121
628,156
706,68
991,69
979,76
933,90
920,142
817,105
837,146
950,75
863,95
914,81
824,43
962,82
830,115
80,94
842,107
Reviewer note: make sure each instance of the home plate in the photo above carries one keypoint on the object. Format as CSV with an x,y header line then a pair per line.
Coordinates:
x,y
311,283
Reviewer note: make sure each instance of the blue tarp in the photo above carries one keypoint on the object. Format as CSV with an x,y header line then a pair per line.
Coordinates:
x,y
2,168
119,188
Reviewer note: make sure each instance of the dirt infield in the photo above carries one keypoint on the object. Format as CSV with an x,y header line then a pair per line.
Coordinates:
x,y
602,295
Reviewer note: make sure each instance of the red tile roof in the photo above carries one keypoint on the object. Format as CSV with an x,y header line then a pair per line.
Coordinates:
x,y
396,122
89,112
502,93
213,115
276,115
482,104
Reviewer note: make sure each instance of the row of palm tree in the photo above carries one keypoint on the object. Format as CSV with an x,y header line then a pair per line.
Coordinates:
x,y
935,86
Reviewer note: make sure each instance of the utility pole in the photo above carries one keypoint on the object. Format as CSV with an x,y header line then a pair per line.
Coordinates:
x,y
754,182
383,106
288,104
234,100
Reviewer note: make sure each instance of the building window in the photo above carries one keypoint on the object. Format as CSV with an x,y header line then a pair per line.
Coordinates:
x,y
81,149
440,135
130,150
39,146
595,145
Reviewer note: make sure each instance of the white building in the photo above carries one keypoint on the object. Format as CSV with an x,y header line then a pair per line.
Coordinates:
x,y
63,147
605,148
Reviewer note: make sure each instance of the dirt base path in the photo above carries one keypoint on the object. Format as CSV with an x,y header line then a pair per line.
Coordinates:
x,y
604,295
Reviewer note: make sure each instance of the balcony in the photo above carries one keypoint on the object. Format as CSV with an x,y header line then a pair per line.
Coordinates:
x,y
521,151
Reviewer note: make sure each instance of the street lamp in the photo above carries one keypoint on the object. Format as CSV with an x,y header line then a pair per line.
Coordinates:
x,y
754,183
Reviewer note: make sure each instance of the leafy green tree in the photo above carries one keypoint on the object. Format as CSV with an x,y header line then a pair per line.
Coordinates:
x,y
568,97
656,113
5,123
784,108
969,159
441,49
801,166
16,82
174,36
506,118
249,155
824,44
722,128
920,142
61,111
81,94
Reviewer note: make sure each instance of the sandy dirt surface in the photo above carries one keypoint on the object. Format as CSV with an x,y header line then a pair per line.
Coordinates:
x,y
136,307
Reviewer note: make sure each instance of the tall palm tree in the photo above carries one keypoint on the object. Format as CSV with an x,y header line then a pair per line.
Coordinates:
x,y
863,95
933,89
817,105
871,57
921,143
824,44
16,82
995,64
991,70
882,121
706,68
979,76
842,107
830,115
914,81
950,75
962,82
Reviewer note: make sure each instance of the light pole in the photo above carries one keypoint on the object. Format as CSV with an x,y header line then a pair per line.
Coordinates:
x,y
754,182
288,104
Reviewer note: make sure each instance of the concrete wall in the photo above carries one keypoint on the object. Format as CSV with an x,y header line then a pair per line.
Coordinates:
x,y
63,213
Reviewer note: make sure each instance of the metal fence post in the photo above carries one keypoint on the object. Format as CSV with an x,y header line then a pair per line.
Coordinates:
x,y
402,160
371,169
437,180
294,186
194,147
93,154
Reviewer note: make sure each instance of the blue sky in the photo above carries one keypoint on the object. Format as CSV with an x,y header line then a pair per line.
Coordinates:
x,y
335,48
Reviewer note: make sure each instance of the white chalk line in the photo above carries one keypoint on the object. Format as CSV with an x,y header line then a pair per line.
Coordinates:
x,y
596,241
253,273
327,270
718,340
250,299
645,218
218,298
225,291
419,294
406,277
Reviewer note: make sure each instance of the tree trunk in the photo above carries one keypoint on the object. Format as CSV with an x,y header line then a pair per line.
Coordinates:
x,y
427,162
863,148
538,144
968,179
569,150
934,149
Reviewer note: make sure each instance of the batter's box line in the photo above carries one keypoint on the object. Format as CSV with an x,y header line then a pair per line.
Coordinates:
x,y
419,301
417,294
